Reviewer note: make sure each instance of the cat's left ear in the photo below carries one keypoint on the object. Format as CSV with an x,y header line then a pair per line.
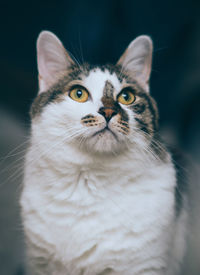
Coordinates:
x,y
52,59
137,59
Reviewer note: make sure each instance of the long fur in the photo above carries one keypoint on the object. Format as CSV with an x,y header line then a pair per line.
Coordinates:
x,y
99,204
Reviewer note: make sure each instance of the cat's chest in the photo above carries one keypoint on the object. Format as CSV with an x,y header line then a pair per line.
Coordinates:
x,y
99,214
97,210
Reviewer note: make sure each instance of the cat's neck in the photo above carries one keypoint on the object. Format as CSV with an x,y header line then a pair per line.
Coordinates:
x,y
71,157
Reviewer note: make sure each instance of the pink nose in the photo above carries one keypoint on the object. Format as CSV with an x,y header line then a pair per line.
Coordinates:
x,y
108,113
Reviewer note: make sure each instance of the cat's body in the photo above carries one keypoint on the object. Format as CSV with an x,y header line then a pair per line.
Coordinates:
x,y
99,195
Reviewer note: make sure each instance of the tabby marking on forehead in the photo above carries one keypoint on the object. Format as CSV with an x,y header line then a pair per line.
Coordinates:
x,y
108,90
97,79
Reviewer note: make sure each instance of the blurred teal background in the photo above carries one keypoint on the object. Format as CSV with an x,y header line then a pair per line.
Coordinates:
x,y
97,32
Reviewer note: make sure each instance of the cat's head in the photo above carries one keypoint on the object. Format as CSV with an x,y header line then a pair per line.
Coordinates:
x,y
102,109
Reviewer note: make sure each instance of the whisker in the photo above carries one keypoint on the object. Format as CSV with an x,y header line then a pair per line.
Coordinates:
x,y
80,46
19,171
6,169
74,59
13,150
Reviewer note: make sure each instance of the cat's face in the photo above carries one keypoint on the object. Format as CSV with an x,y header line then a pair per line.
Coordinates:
x,y
98,109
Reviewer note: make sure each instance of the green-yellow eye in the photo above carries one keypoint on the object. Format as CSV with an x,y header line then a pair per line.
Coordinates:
x,y
126,97
79,94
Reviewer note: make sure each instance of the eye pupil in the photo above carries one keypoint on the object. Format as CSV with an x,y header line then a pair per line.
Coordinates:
x,y
126,96
79,93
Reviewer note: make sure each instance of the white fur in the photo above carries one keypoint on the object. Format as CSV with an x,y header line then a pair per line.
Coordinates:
x,y
86,211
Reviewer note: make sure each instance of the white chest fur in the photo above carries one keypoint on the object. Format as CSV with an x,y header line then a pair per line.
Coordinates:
x,y
95,218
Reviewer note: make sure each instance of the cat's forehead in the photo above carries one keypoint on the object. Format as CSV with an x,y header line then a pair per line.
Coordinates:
x,y
96,80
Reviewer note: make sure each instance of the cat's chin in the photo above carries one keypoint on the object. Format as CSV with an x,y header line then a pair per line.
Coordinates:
x,y
104,141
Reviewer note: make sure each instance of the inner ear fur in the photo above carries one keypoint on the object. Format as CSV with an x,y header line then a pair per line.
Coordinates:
x,y
52,59
137,58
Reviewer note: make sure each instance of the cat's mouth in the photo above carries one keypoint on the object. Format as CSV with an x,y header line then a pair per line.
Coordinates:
x,y
105,130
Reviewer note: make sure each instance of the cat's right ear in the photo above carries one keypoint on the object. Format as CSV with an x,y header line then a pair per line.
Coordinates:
x,y
52,59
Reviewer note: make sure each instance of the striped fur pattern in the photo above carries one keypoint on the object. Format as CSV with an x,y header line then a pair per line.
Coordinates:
x,y
143,110
99,192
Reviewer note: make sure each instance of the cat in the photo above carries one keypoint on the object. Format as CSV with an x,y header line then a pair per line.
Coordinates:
x,y
99,194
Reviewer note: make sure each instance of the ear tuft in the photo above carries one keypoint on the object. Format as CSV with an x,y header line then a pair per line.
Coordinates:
x,y
52,59
138,58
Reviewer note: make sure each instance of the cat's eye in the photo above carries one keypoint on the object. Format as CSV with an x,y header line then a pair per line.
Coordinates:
x,y
126,97
79,94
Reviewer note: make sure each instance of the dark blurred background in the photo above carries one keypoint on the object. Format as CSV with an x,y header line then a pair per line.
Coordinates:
x,y
97,32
